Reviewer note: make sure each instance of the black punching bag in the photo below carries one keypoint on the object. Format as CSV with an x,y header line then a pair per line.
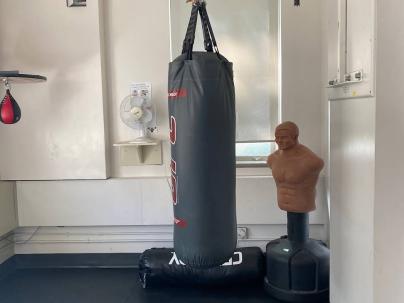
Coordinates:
x,y
202,134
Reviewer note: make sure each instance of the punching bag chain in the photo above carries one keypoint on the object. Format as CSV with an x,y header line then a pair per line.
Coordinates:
x,y
197,2
6,83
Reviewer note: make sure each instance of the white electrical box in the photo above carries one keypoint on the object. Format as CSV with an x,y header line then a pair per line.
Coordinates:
x,y
351,49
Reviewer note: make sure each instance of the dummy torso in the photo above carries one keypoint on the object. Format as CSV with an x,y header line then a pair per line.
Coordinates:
x,y
295,169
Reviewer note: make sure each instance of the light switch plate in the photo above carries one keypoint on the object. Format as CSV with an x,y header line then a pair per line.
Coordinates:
x,y
242,233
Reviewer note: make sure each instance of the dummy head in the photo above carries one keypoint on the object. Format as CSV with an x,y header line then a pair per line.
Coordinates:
x,y
286,135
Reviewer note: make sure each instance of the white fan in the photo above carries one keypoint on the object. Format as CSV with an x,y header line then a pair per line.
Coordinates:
x,y
137,112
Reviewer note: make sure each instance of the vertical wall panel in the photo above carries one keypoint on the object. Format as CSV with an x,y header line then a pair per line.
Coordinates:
x,y
331,11
352,200
61,134
360,35
389,204
137,50
8,216
301,69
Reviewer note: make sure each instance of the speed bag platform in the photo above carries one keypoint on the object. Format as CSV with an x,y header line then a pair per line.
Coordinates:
x,y
162,267
203,165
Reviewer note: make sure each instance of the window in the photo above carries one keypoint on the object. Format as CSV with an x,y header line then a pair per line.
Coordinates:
x,y
247,35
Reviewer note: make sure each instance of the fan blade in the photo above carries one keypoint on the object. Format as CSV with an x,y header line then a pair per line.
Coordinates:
x,y
136,101
147,116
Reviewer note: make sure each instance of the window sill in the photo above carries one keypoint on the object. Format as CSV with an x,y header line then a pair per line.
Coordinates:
x,y
251,164
251,171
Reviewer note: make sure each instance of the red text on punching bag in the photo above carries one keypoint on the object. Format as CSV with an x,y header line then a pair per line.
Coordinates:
x,y
173,166
173,130
174,189
174,181
173,139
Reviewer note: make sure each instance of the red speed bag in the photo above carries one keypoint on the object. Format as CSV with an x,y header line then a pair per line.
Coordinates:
x,y
10,112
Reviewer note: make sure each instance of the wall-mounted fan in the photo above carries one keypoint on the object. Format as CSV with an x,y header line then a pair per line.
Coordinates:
x,y
138,112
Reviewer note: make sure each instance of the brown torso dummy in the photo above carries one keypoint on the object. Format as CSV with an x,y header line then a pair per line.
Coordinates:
x,y
296,173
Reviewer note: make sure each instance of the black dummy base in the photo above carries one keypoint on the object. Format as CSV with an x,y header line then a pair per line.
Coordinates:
x,y
161,267
297,267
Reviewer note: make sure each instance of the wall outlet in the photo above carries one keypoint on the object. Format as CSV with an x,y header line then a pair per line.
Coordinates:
x,y
242,233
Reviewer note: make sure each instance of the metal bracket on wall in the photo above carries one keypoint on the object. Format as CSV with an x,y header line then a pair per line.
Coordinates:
x,y
75,3
350,78
135,153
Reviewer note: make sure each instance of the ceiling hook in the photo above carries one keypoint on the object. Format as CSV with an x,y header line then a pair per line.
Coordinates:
x,y
197,2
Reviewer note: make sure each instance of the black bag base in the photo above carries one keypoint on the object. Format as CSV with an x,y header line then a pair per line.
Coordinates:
x,y
296,296
159,267
297,272
298,268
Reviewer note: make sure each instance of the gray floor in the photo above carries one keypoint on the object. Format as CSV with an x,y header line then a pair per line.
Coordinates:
x,y
109,285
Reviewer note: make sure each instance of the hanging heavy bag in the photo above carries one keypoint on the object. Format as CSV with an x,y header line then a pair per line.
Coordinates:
x,y
10,112
202,135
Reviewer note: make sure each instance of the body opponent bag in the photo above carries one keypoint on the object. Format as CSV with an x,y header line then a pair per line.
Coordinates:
x,y
203,165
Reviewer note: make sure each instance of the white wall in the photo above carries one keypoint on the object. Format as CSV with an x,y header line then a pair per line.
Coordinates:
x,y
61,132
389,206
301,44
351,153
301,69
352,199
137,49
8,219
136,214
145,201
137,42
127,239
367,243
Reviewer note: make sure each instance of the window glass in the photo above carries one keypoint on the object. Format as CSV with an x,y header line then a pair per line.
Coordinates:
x,y
247,35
